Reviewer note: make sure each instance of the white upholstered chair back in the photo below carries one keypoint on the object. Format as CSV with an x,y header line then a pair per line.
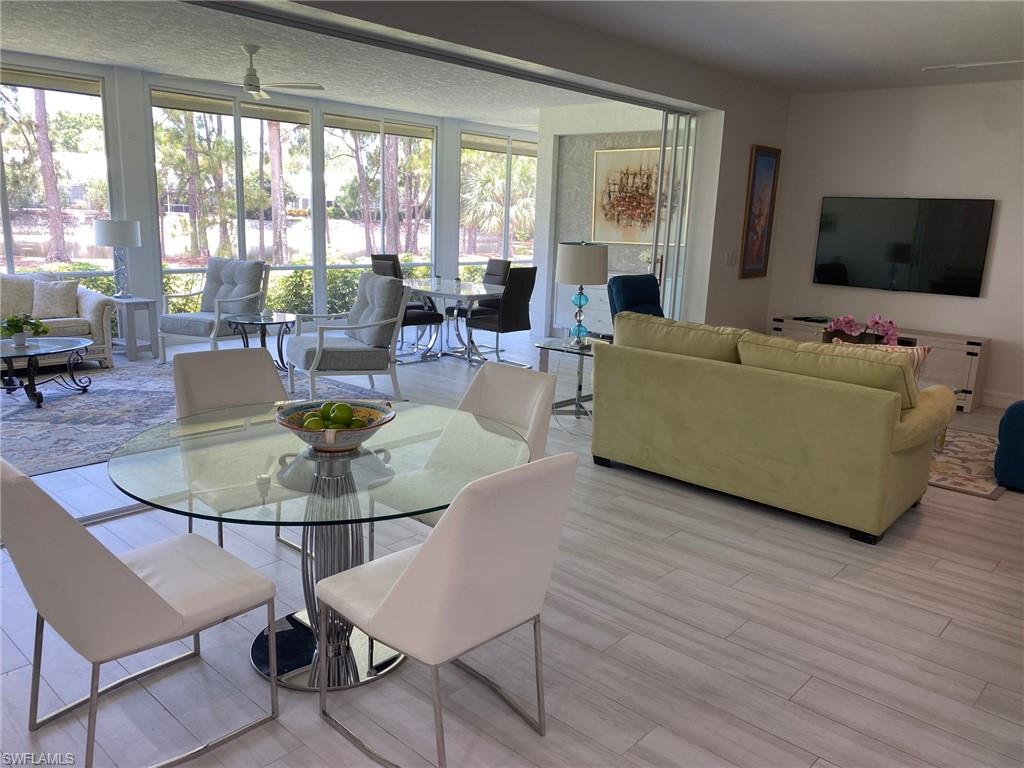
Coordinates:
x,y
485,567
515,396
205,381
94,601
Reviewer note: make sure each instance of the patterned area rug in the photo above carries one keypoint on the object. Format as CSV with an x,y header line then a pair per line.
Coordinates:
x,y
966,464
73,429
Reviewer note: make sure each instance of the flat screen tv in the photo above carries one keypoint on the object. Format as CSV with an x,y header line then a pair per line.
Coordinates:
x,y
925,245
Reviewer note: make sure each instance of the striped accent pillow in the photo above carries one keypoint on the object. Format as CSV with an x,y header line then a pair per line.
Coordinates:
x,y
917,354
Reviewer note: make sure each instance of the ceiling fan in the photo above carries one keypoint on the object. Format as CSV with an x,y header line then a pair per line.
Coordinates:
x,y
251,81
971,65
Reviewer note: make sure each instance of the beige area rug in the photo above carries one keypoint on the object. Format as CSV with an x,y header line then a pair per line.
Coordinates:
x,y
967,465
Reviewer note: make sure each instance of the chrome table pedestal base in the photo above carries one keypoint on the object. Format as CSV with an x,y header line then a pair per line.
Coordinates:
x,y
328,548
297,649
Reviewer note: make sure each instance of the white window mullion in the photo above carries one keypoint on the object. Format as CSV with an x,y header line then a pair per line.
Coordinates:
x,y
318,208
239,180
5,215
506,235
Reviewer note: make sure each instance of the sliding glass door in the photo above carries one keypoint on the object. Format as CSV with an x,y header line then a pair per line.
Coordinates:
x,y
675,176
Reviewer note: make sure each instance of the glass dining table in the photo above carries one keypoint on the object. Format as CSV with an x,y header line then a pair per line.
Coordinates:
x,y
240,467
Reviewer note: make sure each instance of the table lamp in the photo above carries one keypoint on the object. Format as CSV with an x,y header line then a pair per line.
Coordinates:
x,y
581,264
121,235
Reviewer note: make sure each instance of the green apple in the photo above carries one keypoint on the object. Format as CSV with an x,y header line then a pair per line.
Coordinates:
x,y
341,413
357,423
325,410
313,422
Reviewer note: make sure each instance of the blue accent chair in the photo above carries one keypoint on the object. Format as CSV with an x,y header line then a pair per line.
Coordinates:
x,y
635,293
1010,453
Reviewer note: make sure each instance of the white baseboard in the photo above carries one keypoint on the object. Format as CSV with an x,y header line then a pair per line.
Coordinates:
x,y
995,399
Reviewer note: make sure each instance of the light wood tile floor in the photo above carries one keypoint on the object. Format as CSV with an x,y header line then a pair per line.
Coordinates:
x,y
683,628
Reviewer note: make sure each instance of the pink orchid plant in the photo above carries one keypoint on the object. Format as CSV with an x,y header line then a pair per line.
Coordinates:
x,y
879,325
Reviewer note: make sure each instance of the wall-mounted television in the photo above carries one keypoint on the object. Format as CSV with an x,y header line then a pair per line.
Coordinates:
x,y
925,245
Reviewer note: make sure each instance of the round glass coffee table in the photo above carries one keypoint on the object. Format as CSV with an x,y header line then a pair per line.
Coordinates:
x,y
240,324
239,466
42,346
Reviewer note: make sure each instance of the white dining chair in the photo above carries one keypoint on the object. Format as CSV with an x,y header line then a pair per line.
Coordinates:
x,y
107,607
224,378
483,571
518,397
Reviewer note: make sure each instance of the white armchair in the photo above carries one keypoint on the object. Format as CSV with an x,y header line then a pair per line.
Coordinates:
x,y
364,346
231,287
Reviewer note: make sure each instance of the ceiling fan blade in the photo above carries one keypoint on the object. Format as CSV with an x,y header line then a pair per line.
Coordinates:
x,y
297,86
971,65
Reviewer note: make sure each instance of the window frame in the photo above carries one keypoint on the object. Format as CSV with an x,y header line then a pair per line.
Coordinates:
x,y
87,74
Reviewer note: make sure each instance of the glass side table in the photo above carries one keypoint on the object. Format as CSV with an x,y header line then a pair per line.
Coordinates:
x,y
573,406
41,346
240,324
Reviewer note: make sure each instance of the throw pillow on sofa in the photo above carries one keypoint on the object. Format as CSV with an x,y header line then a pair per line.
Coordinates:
x,y
54,299
848,362
917,354
660,334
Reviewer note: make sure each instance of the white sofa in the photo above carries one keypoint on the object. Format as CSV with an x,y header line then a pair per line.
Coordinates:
x,y
92,321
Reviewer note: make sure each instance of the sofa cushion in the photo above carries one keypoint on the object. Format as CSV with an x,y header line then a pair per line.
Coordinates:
x,y
192,324
231,278
379,298
54,299
16,292
340,354
875,368
69,326
659,334
917,354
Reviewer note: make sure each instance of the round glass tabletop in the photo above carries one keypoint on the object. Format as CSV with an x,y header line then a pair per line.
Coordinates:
x,y
239,465
36,346
258,318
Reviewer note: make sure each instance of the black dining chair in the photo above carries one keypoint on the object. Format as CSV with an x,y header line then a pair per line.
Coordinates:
x,y
420,315
495,273
513,312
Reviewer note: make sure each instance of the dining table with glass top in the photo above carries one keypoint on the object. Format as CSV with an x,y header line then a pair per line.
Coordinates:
x,y
239,466
464,295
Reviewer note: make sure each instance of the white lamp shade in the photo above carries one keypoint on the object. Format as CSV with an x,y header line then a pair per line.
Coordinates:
x,y
119,234
582,264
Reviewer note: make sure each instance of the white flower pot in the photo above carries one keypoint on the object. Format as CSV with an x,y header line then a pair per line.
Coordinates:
x,y
20,339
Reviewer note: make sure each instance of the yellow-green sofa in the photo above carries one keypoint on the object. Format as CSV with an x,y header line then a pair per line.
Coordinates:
x,y
834,432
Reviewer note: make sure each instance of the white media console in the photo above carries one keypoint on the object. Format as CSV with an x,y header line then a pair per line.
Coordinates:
x,y
955,361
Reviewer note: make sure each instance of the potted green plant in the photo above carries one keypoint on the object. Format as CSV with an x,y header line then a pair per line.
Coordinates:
x,y
19,326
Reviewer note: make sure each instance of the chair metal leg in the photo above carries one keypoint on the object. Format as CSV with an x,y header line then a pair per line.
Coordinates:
x,y
220,534
271,655
435,686
500,359
95,692
94,703
371,381
162,343
394,383
539,723
323,649
291,378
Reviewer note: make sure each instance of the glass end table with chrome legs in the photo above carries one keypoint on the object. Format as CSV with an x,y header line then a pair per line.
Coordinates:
x,y
573,406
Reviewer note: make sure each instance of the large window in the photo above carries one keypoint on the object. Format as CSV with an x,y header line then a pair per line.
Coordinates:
x,y
379,185
55,178
497,191
277,190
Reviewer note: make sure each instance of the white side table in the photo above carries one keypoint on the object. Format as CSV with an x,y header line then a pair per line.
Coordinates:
x,y
126,309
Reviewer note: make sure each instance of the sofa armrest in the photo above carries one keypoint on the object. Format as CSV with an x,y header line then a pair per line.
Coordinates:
x,y
923,423
97,309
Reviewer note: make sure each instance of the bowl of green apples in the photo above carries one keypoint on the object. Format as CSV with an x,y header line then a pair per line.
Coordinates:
x,y
334,425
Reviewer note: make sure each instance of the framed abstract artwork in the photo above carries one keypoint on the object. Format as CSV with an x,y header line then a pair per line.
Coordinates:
x,y
625,188
762,181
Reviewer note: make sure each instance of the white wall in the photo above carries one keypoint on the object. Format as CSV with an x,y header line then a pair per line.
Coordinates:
x,y
518,36
943,141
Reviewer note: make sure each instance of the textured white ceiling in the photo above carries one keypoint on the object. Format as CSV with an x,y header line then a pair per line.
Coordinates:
x,y
173,38
819,46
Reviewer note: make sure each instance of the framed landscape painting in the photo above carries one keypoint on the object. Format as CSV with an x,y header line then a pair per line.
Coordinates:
x,y
757,226
625,188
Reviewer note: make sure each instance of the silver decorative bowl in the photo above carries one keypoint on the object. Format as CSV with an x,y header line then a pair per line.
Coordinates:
x,y
376,413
